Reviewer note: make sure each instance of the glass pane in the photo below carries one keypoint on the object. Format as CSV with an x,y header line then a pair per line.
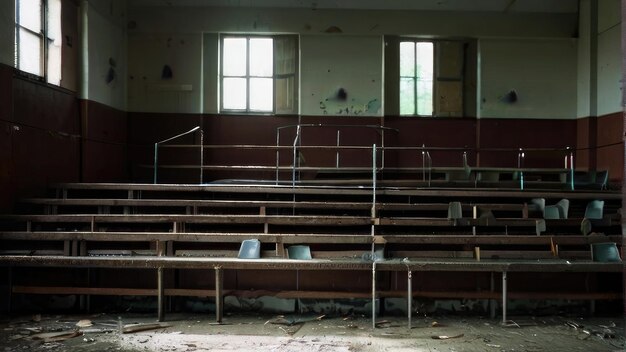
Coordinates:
x,y
54,42
407,59
29,12
425,57
30,52
54,20
234,57
407,96
261,96
234,93
261,57
424,97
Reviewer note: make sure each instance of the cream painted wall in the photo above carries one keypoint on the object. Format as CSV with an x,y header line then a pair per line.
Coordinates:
x,y
7,32
352,63
542,72
584,60
609,57
147,90
106,21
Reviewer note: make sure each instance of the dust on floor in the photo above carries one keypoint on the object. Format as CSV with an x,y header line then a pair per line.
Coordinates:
x,y
240,332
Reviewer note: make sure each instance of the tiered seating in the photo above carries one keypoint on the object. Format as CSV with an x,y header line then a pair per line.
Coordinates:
x,y
344,228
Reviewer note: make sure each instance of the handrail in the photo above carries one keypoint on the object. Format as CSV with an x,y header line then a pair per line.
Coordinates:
x,y
296,140
156,151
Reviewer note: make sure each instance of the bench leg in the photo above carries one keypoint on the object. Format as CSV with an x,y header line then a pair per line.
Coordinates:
x,y
160,295
409,298
219,305
503,297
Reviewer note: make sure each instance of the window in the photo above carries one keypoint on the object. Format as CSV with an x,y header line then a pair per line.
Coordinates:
x,y
258,74
430,78
416,78
38,38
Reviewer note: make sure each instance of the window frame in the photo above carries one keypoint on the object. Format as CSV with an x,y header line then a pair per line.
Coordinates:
x,y
293,96
44,40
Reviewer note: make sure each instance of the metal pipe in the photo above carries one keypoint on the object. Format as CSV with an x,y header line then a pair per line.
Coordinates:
x,y
337,156
373,180
430,167
219,306
277,154
571,167
424,162
374,295
293,169
201,156
161,292
156,148
520,163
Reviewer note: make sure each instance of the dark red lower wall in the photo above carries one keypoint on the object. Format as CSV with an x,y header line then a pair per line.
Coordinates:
x,y
39,137
600,144
47,136
104,148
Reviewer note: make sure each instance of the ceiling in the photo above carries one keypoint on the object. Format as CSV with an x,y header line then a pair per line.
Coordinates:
x,y
543,6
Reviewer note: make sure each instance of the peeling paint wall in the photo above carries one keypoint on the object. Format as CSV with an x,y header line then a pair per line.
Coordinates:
x,y
541,72
341,75
107,54
149,90
609,57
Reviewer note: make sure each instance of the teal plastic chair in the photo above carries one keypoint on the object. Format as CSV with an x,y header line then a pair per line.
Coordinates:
x,y
455,211
602,179
299,252
595,209
538,205
605,252
559,210
250,249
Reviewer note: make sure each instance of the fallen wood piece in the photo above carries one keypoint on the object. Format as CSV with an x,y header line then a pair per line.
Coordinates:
x,y
56,336
84,323
130,328
445,337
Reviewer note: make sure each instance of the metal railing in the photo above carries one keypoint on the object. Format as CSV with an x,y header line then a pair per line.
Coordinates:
x,y
156,151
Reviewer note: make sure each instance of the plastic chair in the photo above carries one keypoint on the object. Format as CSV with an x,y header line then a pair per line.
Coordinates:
x,y
250,249
559,210
602,179
299,252
537,204
595,209
455,211
605,252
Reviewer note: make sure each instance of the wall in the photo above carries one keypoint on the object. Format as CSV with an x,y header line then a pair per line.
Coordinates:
x,y
352,63
106,30
542,72
148,91
609,57
7,32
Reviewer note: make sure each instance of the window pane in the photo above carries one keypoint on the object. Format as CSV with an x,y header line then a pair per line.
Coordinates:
x,y
54,42
285,55
407,96
234,93
425,57
234,57
407,59
261,97
29,52
424,97
29,12
261,57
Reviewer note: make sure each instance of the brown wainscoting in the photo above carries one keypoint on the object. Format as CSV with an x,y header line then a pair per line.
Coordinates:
x,y
104,143
610,152
526,133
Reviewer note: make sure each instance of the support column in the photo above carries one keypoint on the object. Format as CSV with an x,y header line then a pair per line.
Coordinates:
x,y
219,304
374,295
504,297
160,295
409,298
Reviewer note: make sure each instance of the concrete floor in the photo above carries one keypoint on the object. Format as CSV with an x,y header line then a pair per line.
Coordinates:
x,y
241,332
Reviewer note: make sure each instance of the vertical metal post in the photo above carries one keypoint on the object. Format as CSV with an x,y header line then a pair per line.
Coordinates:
x,y
374,180
423,162
277,153
409,298
160,294
520,162
571,167
219,306
374,295
156,158
10,287
337,156
503,297
295,153
201,157
492,302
